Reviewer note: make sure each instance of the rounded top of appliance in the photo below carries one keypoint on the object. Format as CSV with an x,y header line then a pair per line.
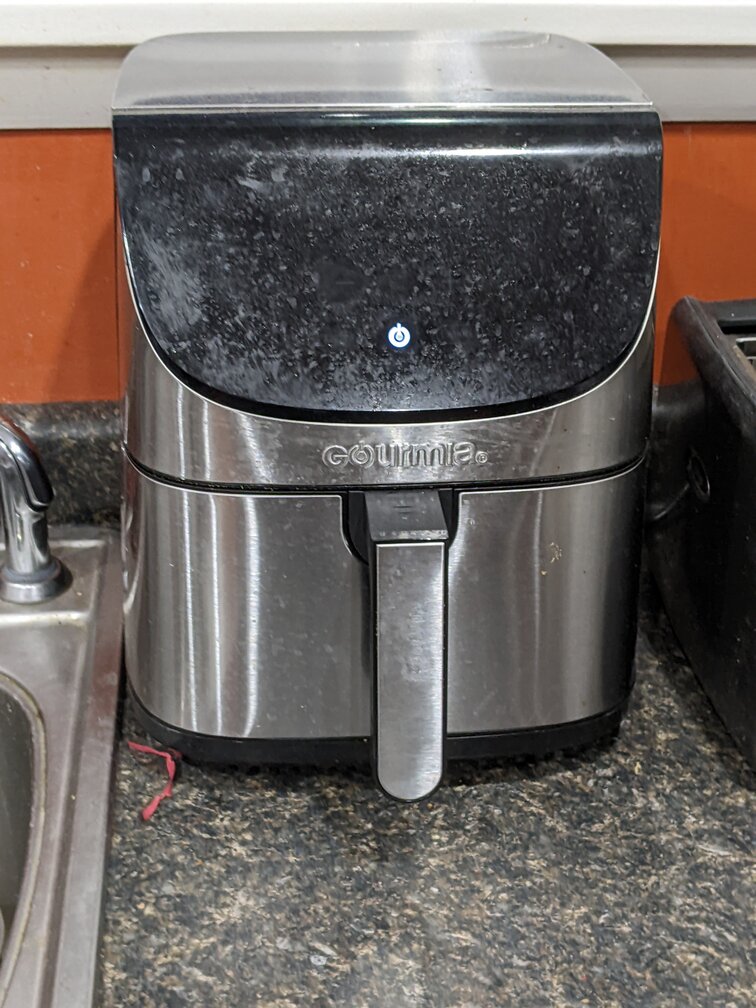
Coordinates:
x,y
246,71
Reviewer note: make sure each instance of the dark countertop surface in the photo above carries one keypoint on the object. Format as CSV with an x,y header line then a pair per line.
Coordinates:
x,y
622,876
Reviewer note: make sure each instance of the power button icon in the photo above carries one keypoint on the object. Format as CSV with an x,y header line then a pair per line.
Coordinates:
x,y
399,336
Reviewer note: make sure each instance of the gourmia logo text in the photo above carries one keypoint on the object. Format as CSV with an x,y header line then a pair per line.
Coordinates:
x,y
448,454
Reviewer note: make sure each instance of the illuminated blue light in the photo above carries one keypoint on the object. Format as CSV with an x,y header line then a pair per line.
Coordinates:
x,y
399,336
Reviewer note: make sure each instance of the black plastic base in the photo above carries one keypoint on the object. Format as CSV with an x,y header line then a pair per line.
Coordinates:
x,y
532,742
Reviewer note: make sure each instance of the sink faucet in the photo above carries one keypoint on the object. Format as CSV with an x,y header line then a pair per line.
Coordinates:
x,y
30,573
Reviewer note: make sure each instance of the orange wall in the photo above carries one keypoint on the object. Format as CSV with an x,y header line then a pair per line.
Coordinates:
x,y
57,250
708,240
57,266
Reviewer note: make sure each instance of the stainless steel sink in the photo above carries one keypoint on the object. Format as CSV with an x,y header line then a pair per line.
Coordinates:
x,y
59,675
20,795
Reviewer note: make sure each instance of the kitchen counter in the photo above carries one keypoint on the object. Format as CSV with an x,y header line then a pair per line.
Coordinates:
x,y
619,876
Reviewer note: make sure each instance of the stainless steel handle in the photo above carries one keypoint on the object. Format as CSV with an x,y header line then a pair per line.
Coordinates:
x,y
407,535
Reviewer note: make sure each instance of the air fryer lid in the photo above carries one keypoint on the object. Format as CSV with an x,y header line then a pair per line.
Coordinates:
x,y
476,235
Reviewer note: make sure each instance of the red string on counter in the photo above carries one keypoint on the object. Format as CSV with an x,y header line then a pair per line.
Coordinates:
x,y
171,757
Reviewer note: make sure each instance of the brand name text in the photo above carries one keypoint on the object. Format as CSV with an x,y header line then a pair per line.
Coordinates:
x,y
448,454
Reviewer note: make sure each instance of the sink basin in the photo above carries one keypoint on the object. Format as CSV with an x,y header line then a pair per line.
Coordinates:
x,y
21,789
59,676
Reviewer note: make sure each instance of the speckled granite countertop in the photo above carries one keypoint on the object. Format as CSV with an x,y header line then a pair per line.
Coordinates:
x,y
623,876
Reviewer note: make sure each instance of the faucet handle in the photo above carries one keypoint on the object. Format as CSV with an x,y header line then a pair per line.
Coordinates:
x,y
34,479
30,573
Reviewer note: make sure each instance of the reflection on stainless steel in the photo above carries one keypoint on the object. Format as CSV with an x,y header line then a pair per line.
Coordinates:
x,y
368,70
409,666
541,596
261,609
21,809
175,431
408,533
30,572
542,603
59,674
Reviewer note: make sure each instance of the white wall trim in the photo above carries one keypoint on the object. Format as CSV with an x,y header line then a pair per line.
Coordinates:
x,y
59,61
602,22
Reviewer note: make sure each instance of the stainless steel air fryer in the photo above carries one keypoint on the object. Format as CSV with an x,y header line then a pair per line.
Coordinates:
x,y
388,299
